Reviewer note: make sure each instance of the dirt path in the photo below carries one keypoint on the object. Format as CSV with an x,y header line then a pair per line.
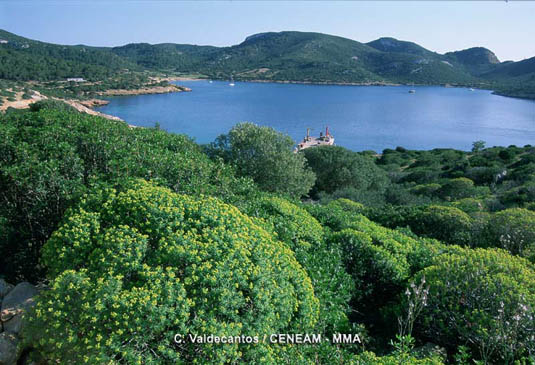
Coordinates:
x,y
21,103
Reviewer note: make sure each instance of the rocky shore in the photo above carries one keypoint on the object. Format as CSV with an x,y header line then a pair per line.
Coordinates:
x,y
145,90
85,106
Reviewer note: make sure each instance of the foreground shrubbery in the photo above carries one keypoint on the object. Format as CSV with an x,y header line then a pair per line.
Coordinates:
x,y
131,269
193,248
49,158
483,299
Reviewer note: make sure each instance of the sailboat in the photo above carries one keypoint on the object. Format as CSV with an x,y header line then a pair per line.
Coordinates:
x,y
231,81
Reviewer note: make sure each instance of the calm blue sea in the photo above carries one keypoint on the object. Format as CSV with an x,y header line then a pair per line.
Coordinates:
x,y
359,117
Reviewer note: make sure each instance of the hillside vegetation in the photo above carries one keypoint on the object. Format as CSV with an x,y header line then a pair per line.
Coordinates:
x,y
283,56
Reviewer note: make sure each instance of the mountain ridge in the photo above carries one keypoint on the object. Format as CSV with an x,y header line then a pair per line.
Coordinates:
x,y
275,56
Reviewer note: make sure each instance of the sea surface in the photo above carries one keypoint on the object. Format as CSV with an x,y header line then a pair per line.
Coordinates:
x,y
359,117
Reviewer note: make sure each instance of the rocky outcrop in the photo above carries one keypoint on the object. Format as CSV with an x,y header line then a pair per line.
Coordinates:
x,y
14,302
92,103
84,109
145,90
8,348
4,289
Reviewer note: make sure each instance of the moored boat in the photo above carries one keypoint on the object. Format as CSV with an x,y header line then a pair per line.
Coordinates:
x,y
322,140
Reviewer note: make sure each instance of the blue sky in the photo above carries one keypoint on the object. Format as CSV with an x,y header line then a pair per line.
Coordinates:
x,y
506,28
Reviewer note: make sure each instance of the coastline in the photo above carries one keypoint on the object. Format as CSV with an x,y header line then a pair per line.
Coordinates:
x,y
171,88
327,83
87,106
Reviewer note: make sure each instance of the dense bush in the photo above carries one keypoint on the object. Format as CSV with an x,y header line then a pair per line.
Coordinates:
x,y
380,261
48,158
456,189
514,230
323,262
266,156
338,169
130,269
483,299
447,224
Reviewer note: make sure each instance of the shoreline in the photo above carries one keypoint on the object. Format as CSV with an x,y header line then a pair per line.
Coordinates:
x,y
87,106
327,83
171,88
334,83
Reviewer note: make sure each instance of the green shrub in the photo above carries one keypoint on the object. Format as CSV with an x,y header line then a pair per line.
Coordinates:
x,y
293,225
514,230
51,104
455,189
379,270
426,189
323,262
130,269
446,224
483,298
470,205
50,157
369,358
339,169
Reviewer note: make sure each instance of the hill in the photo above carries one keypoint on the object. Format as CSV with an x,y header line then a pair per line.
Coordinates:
x,y
309,57
388,44
514,78
273,56
26,59
476,60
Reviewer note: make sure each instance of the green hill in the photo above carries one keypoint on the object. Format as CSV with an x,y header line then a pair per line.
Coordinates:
x,y
282,56
514,78
304,56
388,44
26,59
477,60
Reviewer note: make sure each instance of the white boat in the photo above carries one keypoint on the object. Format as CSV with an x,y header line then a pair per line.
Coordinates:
x,y
210,81
412,91
231,82
471,89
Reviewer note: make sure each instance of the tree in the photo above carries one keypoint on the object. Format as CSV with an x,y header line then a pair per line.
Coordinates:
x,y
130,269
266,156
338,169
478,146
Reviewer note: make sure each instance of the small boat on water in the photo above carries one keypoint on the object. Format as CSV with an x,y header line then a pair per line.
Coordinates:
x,y
231,82
471,89
210,81
412,91
322,140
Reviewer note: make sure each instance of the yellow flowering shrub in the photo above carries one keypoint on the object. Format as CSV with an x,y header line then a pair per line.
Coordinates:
x,y
323,262
130,269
